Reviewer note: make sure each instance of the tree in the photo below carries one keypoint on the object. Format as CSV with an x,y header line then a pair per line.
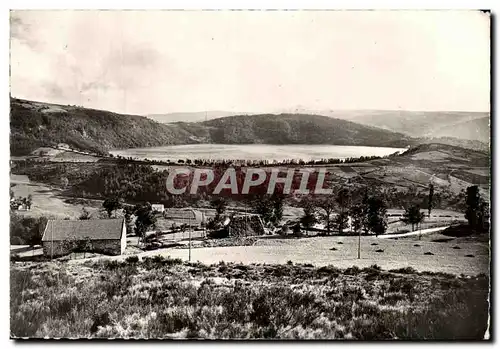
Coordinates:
x,y
340,221
219,204
144,221
309,218
358,220
343,201
29,201
476,209
270,208
430,198
278,202
328,205
376,215
413,216
85,214
111,205
26,230
128,213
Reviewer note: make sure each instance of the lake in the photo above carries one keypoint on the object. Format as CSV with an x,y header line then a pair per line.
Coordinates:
x,y
253,152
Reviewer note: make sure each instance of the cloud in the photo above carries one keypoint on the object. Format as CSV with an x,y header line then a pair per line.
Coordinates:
x,y
161,61
22,31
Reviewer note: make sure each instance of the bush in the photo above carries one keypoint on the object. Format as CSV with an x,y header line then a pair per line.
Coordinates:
x,y
267,301
132,259
218,234
406,270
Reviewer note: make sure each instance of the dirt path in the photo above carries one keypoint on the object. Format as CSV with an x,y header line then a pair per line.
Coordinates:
x,y
413,233
47,201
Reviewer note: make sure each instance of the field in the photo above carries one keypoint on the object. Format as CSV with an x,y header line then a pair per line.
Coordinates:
x,y
166,298
470,258
48,201
433,287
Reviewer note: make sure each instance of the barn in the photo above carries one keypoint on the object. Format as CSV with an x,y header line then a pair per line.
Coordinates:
x,y
106,236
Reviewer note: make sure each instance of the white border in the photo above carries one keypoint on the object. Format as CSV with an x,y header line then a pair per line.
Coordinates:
x,y
179,4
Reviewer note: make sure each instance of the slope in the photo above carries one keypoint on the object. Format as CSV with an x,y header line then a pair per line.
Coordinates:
x,y
299,129
477,129
35,124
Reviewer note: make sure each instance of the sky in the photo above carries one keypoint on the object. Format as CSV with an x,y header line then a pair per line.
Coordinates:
x,y
145,62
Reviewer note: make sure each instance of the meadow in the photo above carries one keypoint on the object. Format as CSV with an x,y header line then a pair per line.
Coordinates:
x,y
465,255
167,298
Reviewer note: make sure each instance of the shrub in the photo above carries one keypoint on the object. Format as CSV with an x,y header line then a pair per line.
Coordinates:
x,y
354,270
406,270
132,259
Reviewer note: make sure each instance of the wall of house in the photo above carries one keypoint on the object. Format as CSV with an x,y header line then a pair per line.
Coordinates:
x,y
59,248
123,241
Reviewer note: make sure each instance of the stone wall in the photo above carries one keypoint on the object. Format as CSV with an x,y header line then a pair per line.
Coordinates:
x,y
60,248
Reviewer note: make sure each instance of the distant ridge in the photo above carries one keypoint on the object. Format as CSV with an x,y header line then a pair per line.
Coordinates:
x,y
192,116
39,124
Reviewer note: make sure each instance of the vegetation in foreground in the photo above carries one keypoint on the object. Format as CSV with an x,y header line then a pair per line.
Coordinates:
x,y
166,298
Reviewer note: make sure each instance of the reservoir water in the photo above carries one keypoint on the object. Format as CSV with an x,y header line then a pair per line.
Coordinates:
x,y
253,152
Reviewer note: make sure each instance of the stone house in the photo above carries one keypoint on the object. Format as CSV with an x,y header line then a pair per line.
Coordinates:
x,y
105,236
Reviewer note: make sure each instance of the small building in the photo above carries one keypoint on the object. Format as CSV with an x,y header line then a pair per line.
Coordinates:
x,y
158,208
106,236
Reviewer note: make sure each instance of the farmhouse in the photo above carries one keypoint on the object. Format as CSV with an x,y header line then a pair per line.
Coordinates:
x,y
106,236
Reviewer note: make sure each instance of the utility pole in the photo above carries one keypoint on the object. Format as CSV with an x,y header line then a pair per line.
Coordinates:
x,y
51,241
359,244
191,225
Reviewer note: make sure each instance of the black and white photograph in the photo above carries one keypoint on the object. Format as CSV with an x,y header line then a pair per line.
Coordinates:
x,y
250,174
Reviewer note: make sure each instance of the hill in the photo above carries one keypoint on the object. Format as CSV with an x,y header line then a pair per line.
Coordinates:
x,y
192,116
299,129
476,129
417,123
36,124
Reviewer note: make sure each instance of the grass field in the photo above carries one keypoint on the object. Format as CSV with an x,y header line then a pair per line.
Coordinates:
x,y
48,202
165,298
457,255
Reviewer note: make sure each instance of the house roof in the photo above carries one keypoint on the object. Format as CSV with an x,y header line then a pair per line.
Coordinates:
x,y
94,229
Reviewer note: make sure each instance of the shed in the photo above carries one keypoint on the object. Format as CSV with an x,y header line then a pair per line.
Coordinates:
x,y
106,236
